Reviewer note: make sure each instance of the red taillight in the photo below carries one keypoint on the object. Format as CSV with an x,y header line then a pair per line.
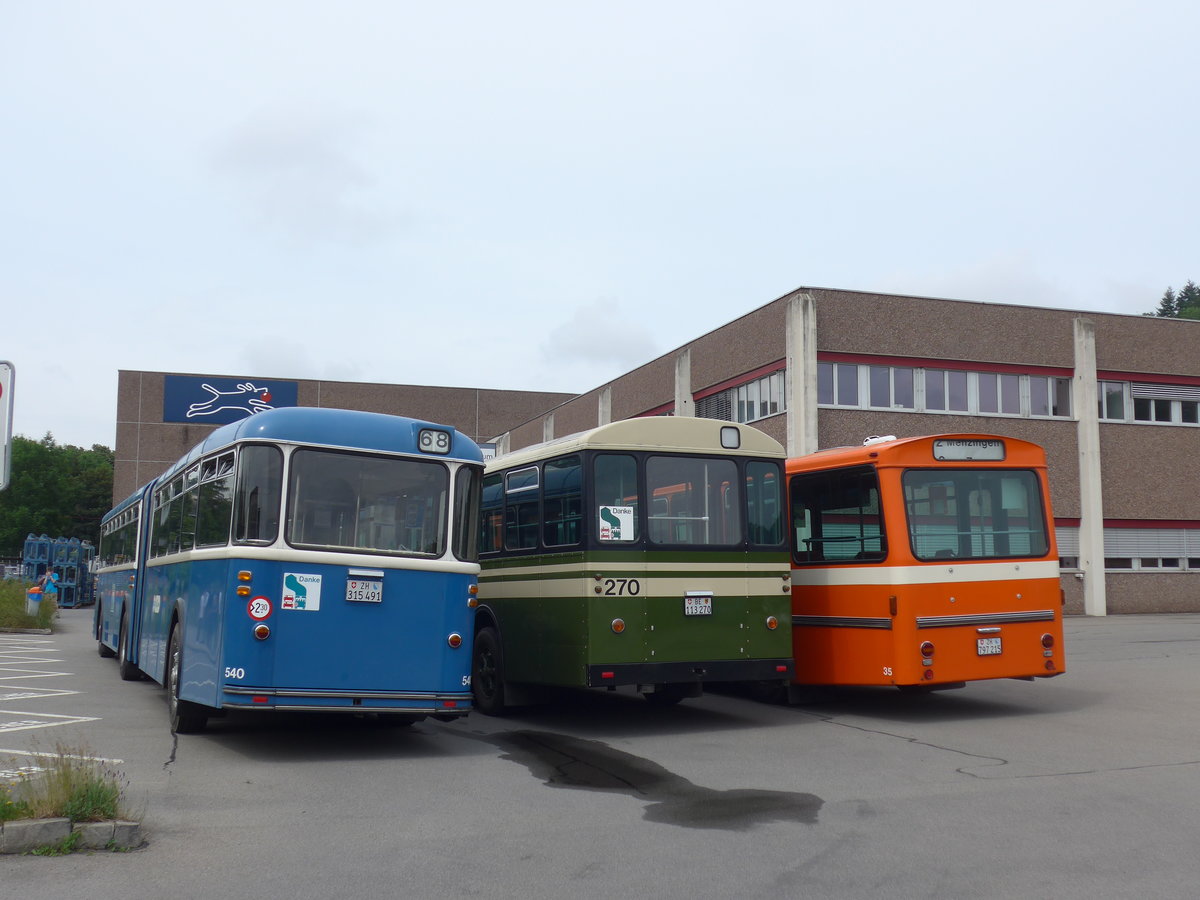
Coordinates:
x,y
929,674
772,623
781,668
449,704
257,699
1048,641
262,631
454,640
608,674
618,625
927,649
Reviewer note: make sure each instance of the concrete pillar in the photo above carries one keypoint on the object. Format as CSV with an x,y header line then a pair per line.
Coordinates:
x,y
801,375
604,406
1085,398
684,404
548,427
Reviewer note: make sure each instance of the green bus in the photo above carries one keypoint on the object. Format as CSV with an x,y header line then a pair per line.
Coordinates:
x,y
648,552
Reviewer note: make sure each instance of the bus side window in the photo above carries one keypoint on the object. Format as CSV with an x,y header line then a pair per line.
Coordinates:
x,y
259,493
836,517
563,501
491,526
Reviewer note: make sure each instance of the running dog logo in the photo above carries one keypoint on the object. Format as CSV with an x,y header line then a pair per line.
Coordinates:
x,y
255,399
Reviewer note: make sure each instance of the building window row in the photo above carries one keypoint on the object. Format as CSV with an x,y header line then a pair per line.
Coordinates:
x,y
1137,549
749,402
1132,401
916,389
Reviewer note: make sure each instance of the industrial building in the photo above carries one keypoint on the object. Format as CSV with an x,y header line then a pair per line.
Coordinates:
x,y
1114,399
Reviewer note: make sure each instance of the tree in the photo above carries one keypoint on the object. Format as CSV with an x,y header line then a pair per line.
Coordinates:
x,y
62,491
1182,305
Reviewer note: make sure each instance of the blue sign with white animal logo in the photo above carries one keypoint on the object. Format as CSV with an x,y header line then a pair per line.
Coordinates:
x,y
218,401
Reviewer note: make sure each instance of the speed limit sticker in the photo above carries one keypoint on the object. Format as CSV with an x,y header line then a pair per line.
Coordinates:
x,y
259,608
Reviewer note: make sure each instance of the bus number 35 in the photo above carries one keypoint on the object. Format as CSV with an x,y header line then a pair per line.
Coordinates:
x,y
621,587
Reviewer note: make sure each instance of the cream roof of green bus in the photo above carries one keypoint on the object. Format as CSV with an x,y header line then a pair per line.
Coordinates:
x,y
677,434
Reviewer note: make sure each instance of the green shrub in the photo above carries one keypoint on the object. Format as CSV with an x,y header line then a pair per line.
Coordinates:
x,y
67,783
12,606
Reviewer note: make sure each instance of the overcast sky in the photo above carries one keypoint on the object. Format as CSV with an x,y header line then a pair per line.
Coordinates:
x,y
545,195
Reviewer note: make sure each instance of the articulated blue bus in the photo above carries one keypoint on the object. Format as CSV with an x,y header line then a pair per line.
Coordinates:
x,y
300,559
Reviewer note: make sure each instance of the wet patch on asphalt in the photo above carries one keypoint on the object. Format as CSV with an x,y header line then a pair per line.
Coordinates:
x,y
569,762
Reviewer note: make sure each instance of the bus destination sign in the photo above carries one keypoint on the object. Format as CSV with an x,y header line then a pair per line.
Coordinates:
x,y
945,450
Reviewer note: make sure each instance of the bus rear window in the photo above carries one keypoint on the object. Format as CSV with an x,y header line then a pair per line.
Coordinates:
x,y
836,517
693,500
372,503
975,514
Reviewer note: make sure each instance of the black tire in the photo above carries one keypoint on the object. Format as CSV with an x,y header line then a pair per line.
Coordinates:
x,y
185,717
104,650
667,695
487,673
127,670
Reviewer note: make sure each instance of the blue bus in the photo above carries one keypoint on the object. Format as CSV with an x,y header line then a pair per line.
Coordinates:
x,y
300,559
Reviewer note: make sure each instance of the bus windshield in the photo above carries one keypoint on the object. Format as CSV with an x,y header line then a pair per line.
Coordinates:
x,y
373,503
974,514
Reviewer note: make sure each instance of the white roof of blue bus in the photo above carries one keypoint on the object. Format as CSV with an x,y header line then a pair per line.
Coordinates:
x,y
322,427
679,434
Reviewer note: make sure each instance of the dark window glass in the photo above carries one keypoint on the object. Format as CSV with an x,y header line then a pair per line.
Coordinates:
x,y
836,516
881,386
215,512
562,501
988,393
975,513
764,503
491,533
616,493
902,386
259,492
1039,395
825,383
957,382
693,500
379,504
847,385
1010,394
466,513
935,389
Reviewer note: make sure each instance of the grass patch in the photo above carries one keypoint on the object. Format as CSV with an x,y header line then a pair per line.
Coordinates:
x,y
12,606
66,783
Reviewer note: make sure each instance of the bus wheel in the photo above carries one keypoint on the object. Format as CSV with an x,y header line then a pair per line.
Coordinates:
x,y
487,673
127,670
667,694
185,717
104,650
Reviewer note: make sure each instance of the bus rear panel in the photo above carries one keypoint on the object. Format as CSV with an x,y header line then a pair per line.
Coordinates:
x,y
924,563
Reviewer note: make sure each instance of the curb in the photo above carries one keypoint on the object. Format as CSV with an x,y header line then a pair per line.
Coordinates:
x,y
26,631
25,835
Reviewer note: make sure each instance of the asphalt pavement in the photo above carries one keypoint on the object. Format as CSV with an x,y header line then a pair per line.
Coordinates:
x,y
1086,785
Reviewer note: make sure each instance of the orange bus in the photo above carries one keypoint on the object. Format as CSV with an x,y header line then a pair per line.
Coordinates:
x,y
924,563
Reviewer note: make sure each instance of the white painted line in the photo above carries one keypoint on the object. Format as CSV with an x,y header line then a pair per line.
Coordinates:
x,y
103,759
26,721
34,673
28,693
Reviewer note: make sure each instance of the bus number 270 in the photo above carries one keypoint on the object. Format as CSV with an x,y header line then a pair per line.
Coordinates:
x,y
621,587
